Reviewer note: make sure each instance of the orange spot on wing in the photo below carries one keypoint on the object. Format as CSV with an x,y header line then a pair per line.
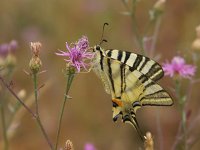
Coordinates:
x,y
118,102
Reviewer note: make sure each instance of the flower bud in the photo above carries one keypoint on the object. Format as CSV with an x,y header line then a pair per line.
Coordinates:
x,y
149,144
21,94
198,31
35,64
13,45
10,61
196,44
69,145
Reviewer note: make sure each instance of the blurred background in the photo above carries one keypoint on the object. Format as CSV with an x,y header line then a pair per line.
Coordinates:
x,y
88,115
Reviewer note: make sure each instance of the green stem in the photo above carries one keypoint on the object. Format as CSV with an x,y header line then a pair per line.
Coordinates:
x,y
69,82
5,138
37,112
135,28
182,110
36,93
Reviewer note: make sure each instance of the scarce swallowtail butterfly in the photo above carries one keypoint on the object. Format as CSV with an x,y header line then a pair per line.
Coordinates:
x,y
130,79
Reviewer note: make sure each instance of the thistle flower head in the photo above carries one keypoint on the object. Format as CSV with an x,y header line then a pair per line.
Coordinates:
x,y
178,67
89,146
77,54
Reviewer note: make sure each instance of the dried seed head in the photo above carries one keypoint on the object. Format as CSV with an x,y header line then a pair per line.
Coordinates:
x,y
148,144
35,62
35,47
160,5
69,145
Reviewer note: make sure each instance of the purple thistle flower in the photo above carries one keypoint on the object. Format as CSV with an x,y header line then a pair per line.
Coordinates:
x,y
77,54
179,67
89,146
8,48
83,43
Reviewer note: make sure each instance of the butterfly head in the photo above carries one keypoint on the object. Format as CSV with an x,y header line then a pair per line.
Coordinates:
x,y
97,48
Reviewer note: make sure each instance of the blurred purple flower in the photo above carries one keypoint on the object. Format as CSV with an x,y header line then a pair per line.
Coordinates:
x,y
179,67
78,54
13,45
89,146
6,48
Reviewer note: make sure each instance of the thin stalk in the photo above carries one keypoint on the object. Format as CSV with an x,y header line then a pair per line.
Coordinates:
x,y
15,95
5,138
134,24
135,28
37,113
69,82
159,129
155,35
28,109
136,32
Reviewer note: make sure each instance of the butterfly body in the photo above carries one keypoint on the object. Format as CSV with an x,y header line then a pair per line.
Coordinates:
x,y
131,80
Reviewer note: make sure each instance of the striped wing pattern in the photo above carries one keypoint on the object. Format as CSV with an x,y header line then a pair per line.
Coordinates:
x,y
132,82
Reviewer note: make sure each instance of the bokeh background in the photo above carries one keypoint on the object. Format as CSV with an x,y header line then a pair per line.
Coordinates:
x,y
88,116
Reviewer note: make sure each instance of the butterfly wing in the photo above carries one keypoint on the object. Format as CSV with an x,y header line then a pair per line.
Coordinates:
x,y
132,87
103,78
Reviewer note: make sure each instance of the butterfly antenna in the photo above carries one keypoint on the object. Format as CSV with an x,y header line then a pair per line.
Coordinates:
x,y
103,40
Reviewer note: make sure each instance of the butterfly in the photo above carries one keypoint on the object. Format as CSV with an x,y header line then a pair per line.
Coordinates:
x,y
130,79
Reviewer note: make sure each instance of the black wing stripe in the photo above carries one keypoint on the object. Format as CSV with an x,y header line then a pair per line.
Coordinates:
x,y
153,70
127,55
119,57
145,62
109,54
122,67
110,74
101,60
149,84
143,78
136,63
158,75
155,93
